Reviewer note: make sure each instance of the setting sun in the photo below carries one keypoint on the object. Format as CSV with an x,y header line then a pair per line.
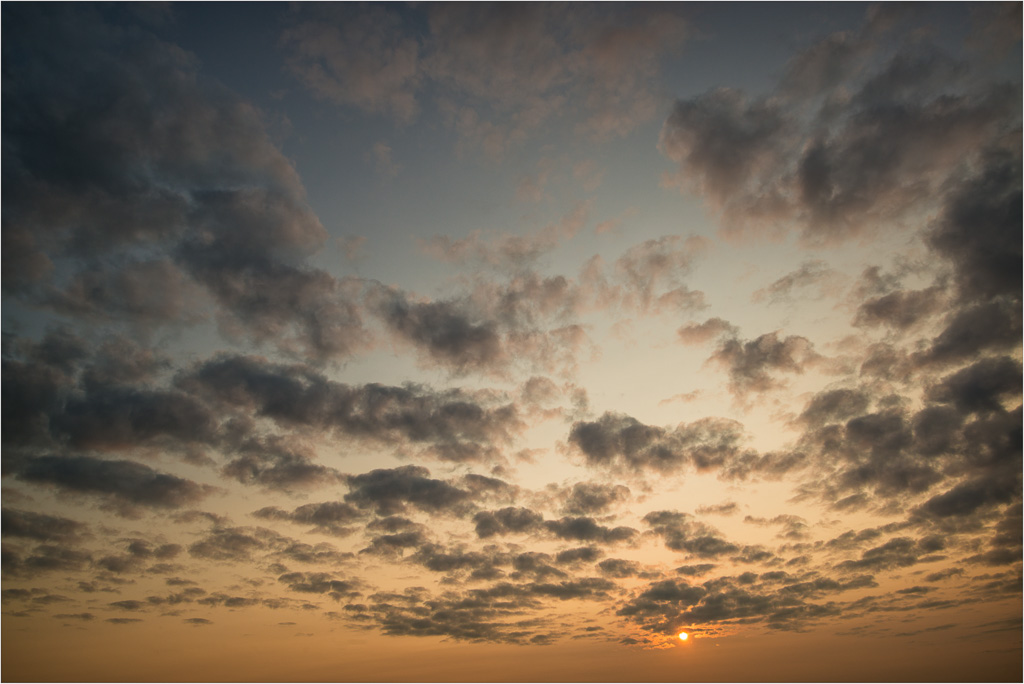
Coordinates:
x,y
683,636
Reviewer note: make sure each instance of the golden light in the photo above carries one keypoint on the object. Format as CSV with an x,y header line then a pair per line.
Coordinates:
x,y
683,636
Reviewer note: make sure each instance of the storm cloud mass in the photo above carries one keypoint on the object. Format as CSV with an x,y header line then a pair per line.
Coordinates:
x,y
521,335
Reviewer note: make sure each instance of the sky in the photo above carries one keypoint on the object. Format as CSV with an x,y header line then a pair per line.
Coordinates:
x,y
378,342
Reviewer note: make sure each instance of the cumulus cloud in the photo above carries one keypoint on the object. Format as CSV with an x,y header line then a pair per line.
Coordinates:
x,y
328,517
387,491
621,442
751,364
124,484
451,425
115,157
818,153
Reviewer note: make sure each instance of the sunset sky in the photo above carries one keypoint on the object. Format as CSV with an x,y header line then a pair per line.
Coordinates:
x,y
504,343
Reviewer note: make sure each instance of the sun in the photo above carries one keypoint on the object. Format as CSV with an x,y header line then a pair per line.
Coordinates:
x,y
683,636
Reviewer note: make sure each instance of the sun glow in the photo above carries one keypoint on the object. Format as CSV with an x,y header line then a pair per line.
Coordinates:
x,y
683,636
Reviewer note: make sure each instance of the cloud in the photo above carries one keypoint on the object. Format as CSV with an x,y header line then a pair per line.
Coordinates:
x,y
593,497
541,62
125,484
43,558
276,462
619,441
980,386
358,58
451,425
971,330
682,533
832,405
506,520
113,157
818,153
618,567
778,599
583,528
387,491
39,526
751,363
445,333
319,583
809,274
580,554
513,252
694,333
901,309
328,517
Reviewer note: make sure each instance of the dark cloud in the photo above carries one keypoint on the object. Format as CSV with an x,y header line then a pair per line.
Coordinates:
x,y
980,386
695,570
752,363
818,154
587,529
277,462
535,565
329,517
43,558
39,526
232,544
979,230
899,552
117,418
973,330
446,333
319,583
252,544
387,491
395,544
901,309
834,405
506,520
776,598
618,567
682,533
118,146
125,483
620,441
593,497
452,425
581,554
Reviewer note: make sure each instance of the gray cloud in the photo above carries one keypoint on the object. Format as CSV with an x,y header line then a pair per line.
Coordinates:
x,y
328,517
619,441
593,497
751,363
586,529
451,425
506,520
130,150
387,491
819,154
682,533
126,484
39,526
